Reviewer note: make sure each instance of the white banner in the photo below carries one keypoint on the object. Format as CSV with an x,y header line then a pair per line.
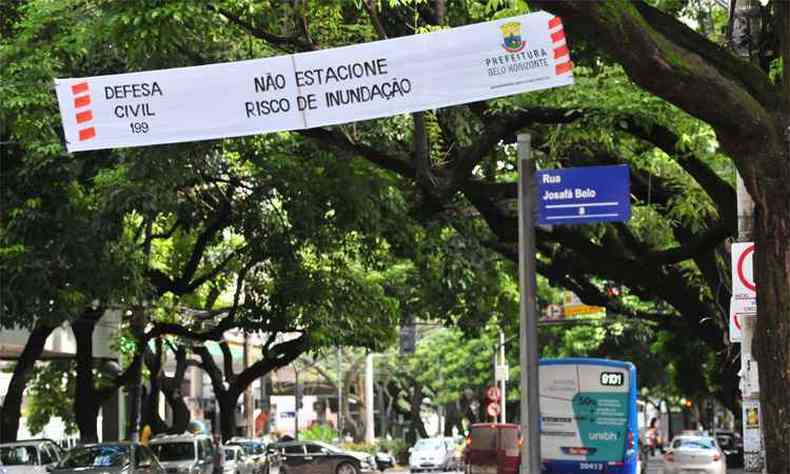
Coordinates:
x,y
333,86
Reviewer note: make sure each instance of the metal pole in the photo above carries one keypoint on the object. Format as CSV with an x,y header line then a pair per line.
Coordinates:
x,y
339,396
528,331
296,403
370,433
248,400
503,362
264,407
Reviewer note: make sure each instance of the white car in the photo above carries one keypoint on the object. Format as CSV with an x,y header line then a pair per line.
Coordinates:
x,y
694,455
431,454
236,462
30,456
184,453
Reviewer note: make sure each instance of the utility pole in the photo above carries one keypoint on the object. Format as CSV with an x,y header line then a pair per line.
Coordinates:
x,y
503,375
297,402
264,406
744,38
339,396
528,330
248,408
370,429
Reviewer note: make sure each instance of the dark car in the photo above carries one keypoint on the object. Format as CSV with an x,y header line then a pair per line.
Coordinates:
x,y
732,447
107,458
313,457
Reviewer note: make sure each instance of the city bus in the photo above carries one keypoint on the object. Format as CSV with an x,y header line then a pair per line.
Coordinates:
x,y
588,416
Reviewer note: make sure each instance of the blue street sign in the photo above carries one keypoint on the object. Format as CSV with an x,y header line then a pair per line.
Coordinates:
x,y
583,195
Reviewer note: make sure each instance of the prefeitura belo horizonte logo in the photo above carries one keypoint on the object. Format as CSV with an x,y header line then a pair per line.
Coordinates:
x,y
512,36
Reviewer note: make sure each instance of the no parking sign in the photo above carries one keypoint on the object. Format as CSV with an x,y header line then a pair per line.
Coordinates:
x,y
743,285
744,289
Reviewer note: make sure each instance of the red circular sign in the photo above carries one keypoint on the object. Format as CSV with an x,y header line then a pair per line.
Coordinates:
x,y
737,323
493,393
741,276
493,409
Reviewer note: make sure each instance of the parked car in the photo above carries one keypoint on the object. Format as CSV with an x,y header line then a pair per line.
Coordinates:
x,y
430,454
29,456
732,446
492,448
187,453
255,451
236,462
314,457
699,454
109,458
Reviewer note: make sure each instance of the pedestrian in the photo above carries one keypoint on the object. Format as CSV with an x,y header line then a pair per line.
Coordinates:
x,y
219,455
659,437
650,437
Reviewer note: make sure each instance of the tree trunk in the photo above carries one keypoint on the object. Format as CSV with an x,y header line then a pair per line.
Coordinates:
x,y
416,412
86,402
227,414
771,344
11,410
149,412
451,417
180,412
135,387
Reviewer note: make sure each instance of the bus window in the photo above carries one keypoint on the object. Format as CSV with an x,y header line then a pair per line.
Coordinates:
x,y
483,437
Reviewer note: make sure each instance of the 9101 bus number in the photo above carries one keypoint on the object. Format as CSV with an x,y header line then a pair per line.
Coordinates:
x,y
615,379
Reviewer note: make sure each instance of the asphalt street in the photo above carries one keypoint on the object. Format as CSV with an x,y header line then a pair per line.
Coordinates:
x,y
654,466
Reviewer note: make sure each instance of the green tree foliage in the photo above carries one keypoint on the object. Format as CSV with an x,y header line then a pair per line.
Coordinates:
x,y
338,232
50,395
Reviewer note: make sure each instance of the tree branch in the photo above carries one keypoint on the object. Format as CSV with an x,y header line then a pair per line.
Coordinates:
x,y
220,221
288,43
284,353
751,77
379,158
227,361
661,65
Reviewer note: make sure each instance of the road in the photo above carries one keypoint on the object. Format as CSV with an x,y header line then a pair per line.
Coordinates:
x,y
654,466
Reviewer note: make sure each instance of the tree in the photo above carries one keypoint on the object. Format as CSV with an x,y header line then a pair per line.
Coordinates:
x,y
749,116
455,166
467,167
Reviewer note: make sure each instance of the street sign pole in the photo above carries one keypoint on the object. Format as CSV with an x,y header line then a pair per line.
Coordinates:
x,y
528,332
503,415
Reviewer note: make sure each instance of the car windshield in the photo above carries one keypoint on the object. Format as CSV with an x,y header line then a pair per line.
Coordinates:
x,y
174,451
726,440
694,443
429,444
97,456
18,456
